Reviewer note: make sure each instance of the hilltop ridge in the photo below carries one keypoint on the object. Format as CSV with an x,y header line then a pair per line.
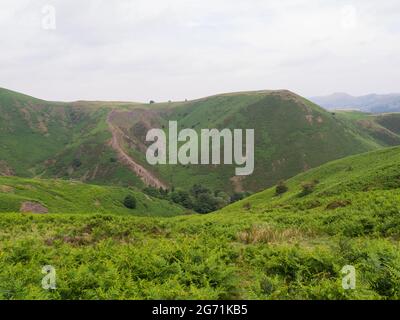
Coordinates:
x,y
72,140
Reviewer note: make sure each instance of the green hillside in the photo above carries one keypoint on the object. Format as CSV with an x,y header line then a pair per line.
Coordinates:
x,y
58,196
104,142
268,246
383,128
41,138
358,175
291,135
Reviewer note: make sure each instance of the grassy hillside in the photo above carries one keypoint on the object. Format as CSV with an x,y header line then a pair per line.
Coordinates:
x,y
291,135
84,140
41,138
59,196
384,129
291,246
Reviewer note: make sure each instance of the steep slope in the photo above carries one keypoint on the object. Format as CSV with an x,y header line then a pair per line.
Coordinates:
x,y
62,140
31,130
145,175
104,142
364,176
384,129
292,246
291,136
59,196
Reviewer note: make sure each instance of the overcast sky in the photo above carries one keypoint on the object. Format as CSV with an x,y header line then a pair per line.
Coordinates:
x,y
141,49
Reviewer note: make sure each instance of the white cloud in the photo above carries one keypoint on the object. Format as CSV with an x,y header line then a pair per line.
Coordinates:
x,y
141,50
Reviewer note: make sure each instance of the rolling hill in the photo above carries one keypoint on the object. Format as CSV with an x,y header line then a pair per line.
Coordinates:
x,y
59,196
375,103
384,128
268,246
104,142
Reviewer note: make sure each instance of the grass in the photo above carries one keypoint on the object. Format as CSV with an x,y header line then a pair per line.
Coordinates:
x,y
291,135
60,196
290,246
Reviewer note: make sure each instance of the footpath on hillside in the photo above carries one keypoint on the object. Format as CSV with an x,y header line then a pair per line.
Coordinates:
x,y
116,143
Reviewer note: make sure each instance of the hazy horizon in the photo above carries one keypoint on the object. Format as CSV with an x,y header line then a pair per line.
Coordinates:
x,y
176,50
208,95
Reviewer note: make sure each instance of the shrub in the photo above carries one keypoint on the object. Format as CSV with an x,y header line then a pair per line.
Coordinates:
x,y
130,202
247,206
308,187
281,188
206,203
198,189
76,163
237,196
153,192
183,198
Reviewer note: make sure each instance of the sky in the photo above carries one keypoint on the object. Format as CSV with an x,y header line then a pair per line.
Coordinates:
x,y
141,50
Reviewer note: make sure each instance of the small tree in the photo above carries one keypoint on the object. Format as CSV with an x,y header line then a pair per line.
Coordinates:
x,y
206,203
237,196
183,198
76,163
130,202
281,188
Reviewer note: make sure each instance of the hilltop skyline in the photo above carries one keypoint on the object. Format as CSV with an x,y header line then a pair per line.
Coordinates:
x,y
169,50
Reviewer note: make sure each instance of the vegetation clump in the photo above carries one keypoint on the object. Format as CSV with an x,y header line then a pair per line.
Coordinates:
x,y
199,198
308,187
281,188
130,202
76,163
247,206
338,204
237,196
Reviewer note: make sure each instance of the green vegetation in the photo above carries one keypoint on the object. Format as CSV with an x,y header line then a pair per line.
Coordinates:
x,y
198,198
281,188
58,140
308,187
291,135
72,140
130,202
116,242
267,246
60,196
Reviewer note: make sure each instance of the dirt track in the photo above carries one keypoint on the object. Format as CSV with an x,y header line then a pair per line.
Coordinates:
x,y
116,143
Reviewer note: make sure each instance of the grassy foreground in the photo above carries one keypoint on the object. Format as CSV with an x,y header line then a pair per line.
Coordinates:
x,y
291,246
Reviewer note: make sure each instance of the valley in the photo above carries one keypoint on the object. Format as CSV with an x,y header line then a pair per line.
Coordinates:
x,y
104,142
77,193
291,245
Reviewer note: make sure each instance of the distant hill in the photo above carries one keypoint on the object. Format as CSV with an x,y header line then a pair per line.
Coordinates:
x,y
369,103
104,142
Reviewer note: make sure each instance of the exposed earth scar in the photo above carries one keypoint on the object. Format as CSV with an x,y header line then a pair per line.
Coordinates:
x,y
117,137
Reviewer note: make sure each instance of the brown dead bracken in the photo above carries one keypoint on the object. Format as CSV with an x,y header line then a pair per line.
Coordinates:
x,y
33,207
